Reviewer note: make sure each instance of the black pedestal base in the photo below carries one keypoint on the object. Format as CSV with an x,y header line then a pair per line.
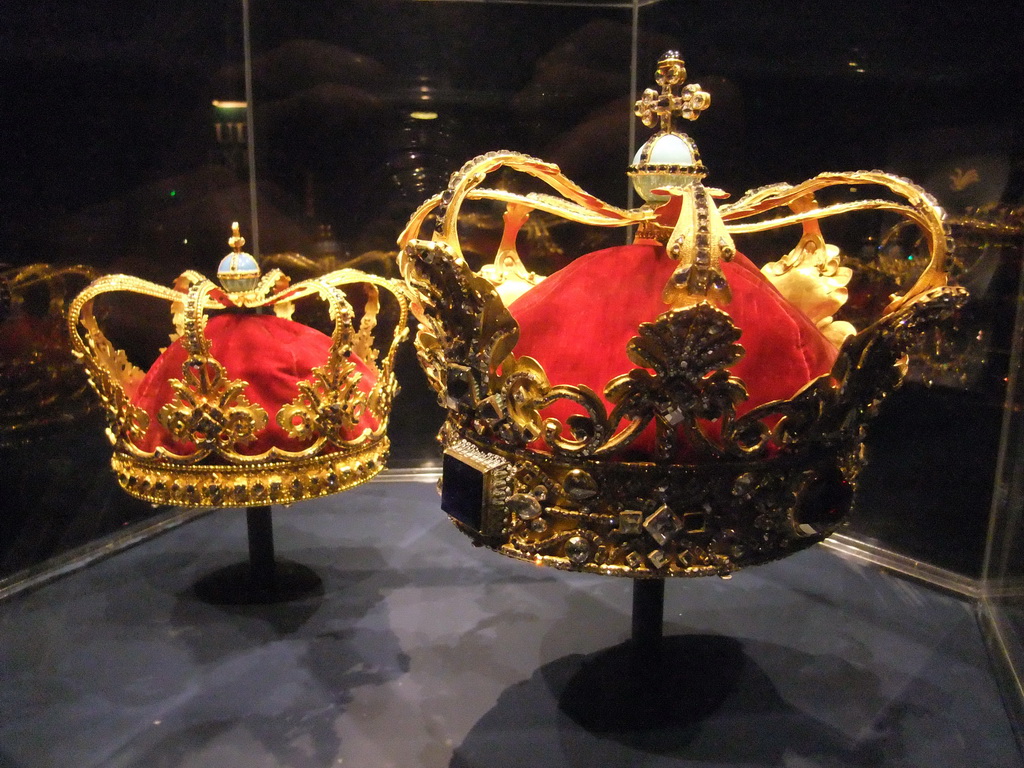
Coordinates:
x,y
263,579
235,585
691,679
652,682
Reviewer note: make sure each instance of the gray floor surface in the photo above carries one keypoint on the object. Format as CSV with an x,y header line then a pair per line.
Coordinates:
x,y
425,651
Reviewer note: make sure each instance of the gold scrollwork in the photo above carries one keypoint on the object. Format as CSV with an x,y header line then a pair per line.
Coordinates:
x,y
210,410
682,378
329,404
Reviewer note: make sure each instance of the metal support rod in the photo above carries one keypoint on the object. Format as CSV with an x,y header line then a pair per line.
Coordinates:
x,y
261,547
648,618
250,133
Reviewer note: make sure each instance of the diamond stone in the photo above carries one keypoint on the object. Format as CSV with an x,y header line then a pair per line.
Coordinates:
x,y
629,521
525,506
635,560
662,525
658,558
578,550
694,522
460,386
580,486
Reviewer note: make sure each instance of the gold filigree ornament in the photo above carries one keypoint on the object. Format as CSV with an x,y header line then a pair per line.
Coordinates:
x,y
310,420
559,473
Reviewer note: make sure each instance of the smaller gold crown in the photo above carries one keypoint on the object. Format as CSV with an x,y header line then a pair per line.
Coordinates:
x,y
248,406
41,383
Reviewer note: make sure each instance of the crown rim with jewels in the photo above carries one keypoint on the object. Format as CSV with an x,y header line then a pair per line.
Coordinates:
x,y
336,425
563,493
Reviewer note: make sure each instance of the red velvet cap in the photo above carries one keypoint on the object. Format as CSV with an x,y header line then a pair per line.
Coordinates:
x,y
270,353
577,322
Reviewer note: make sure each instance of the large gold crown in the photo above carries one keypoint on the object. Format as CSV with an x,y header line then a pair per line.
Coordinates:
x,y
664,470
248,406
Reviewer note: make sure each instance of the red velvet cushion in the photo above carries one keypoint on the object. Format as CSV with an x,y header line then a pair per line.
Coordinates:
x,y
577,323
270,353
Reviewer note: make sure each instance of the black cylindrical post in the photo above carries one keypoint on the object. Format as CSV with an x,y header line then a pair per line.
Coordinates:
x,y
648,617
261,548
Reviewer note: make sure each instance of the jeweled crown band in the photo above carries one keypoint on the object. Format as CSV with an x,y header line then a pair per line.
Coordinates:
x,y
646,520
228,485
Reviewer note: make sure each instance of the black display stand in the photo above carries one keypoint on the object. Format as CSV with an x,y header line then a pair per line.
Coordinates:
x,y
648,621
652,684
263,579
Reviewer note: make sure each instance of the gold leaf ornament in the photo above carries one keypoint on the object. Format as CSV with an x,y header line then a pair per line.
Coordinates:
x,y
209,410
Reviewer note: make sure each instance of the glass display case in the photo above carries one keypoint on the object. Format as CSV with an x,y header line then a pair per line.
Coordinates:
x,y
136,135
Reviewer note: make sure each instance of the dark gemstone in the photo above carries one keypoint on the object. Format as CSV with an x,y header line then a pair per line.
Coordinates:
x,y
490,409
824,502
694,522
460,385
462,492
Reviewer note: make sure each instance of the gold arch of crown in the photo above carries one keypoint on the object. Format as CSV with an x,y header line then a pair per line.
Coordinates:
x,y
466,331
211,411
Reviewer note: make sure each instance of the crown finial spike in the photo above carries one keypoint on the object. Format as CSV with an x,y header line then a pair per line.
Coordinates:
x,y
661,106
236,241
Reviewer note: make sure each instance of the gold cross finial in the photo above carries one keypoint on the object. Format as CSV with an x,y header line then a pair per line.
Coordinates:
x,y
236,241
662,107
